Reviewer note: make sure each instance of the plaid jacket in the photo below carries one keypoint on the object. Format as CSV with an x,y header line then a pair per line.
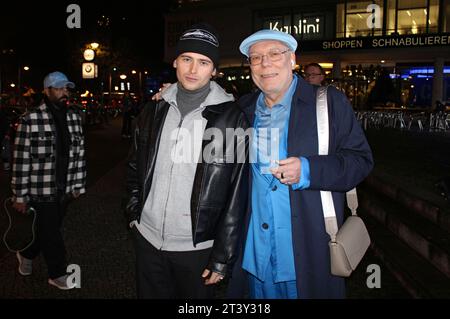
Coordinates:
x,y
34,165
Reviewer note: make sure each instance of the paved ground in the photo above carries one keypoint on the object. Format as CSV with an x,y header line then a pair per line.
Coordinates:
x,y
98,241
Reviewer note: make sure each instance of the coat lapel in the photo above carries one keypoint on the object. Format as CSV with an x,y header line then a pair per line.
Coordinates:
x,y
302,121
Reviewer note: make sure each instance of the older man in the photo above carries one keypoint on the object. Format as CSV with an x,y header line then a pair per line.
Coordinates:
x,y
285,246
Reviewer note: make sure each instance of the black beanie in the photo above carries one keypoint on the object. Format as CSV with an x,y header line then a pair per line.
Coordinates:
x,y
200,38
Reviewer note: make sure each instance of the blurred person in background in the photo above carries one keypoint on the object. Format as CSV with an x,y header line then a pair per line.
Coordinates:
x,y
49,170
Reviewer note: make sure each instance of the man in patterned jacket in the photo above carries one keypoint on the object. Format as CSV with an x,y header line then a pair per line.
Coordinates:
x,y
48,171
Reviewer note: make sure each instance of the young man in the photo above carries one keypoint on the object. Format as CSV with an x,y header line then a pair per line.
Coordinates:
x,y
285,248
49,170
186,210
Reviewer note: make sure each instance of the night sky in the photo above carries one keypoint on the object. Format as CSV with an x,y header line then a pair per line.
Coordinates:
x,y
38,32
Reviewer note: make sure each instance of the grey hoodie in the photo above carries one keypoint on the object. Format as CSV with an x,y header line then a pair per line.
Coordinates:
x,y
166,217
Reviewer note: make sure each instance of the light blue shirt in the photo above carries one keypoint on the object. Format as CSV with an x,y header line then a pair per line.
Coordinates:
x,y
269,238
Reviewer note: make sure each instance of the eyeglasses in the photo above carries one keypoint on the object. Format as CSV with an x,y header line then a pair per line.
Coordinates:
x,y
274,56
308,75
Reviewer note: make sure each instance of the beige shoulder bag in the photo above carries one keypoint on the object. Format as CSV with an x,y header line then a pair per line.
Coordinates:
x,y
350,243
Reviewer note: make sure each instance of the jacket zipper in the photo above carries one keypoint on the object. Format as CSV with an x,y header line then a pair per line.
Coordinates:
x,y
170,184
143,198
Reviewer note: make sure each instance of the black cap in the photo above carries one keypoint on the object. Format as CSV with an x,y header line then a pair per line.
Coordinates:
x,y
200,38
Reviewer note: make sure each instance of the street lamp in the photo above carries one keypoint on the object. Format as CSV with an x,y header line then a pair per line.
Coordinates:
x,y
19,83
95,45
140,85
139,91
89,54
123,76
114,69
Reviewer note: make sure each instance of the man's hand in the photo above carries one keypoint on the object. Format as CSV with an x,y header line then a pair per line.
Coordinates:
x,y
157,97
76,194
213,279
288,171
20,207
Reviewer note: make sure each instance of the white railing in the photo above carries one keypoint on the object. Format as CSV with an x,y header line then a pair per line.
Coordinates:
x,y
421,121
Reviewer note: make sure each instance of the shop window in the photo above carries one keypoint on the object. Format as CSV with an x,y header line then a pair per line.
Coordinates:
x,y
353,19
433,17
412,16
391,17
446,16
340,20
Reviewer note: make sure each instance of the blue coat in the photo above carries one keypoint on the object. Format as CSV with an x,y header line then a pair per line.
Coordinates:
x,y
348,163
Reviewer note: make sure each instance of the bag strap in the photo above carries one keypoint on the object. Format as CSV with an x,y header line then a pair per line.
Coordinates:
x,y
329,213
352,200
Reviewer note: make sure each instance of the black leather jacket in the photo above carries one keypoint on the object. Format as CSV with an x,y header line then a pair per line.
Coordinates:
x,y
219,194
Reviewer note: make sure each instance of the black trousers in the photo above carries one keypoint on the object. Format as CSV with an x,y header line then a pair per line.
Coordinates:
x,y
170,275
48,237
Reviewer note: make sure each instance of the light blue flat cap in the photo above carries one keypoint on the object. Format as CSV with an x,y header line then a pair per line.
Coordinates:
x,y
266,34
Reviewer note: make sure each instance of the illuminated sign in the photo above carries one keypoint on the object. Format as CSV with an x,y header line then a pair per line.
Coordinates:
x,y
425,70
88,70
409,41
426,40
303,26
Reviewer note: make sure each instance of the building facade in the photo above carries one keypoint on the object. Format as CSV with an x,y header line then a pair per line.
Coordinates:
x,y
393,53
